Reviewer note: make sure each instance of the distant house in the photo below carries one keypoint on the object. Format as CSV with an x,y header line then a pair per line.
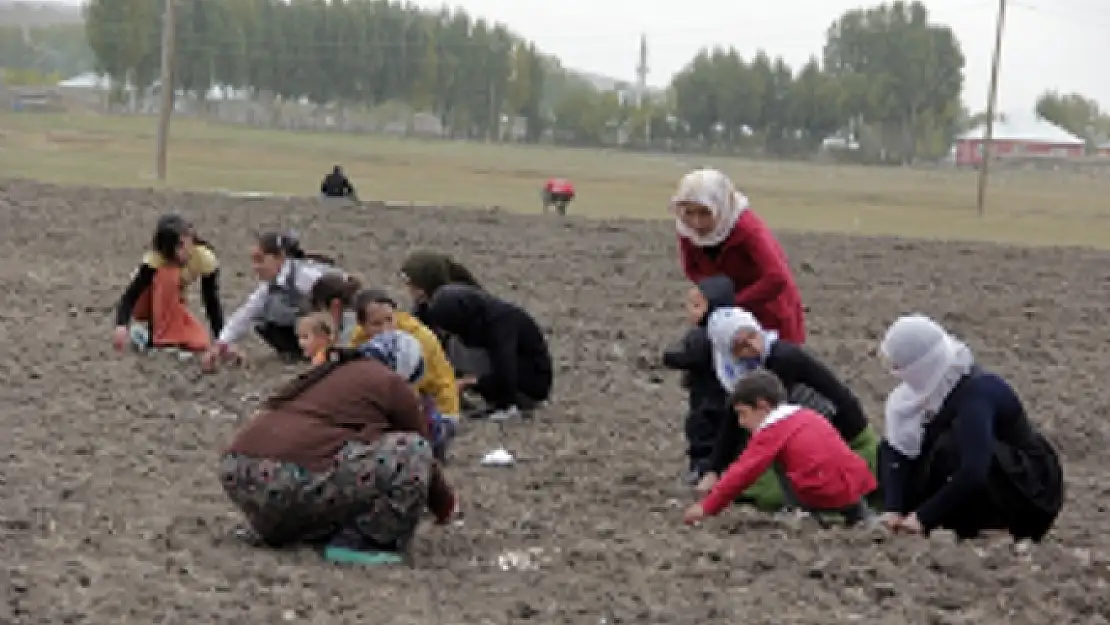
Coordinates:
x,y
1019,137
1103,149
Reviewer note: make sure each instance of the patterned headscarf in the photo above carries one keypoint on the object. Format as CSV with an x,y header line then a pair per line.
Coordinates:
x,y
724,324
400,351
713,190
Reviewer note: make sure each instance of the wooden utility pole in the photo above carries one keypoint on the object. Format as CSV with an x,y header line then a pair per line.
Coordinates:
x,y
992,98
169,43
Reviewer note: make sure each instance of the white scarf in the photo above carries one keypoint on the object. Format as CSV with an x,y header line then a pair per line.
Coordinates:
x,y
930,362
781,413
722,327
713,190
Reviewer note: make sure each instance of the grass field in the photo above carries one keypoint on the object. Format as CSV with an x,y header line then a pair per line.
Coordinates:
x,y
1024,207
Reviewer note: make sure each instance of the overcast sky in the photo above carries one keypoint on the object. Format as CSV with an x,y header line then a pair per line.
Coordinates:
x,y
1049,44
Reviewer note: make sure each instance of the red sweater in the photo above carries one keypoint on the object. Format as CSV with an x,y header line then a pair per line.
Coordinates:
x,y
559,185
824,472
757,265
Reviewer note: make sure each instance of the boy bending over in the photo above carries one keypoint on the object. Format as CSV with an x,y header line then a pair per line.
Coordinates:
x,y
818,472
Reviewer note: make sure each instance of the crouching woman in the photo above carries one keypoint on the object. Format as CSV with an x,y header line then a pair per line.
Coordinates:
x,y
959,452
339,455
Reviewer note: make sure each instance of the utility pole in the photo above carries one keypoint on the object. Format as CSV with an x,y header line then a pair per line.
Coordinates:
x,y
992,98
169,43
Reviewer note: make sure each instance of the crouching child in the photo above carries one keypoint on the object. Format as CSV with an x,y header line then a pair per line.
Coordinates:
x,y
818,472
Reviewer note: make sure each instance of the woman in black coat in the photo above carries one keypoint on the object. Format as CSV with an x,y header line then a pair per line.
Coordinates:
x,y
959,452
519,372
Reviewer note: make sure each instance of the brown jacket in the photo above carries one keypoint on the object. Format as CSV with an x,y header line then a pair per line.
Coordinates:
x,y
358,401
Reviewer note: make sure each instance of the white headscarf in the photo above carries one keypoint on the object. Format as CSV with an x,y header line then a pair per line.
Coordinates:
x,y
713,190
930,362
722,327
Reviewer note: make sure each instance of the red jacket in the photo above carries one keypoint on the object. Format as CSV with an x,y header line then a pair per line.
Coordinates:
x,y
825,473
757,265
559,185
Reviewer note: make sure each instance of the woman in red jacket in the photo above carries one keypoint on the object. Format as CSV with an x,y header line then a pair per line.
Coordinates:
x,y
719,234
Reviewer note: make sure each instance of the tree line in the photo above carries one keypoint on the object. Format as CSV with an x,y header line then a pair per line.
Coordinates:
x,y
887,82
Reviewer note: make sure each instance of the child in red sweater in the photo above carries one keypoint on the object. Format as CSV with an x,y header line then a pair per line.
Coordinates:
x,y
819,473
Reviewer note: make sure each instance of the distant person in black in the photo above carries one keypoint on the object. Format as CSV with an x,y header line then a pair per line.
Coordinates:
x,y
336,184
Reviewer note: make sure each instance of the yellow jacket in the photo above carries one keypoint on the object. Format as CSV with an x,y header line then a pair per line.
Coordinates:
x,y
439,376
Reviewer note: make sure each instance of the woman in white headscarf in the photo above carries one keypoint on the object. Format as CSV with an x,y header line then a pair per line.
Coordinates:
x,y
959,452
718,234
740,344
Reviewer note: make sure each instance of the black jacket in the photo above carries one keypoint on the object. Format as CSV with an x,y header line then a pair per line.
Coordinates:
x,y
810,383
520,362
336,184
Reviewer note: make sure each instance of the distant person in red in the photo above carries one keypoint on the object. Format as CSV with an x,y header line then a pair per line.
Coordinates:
x,y
557,192
817,471
718,234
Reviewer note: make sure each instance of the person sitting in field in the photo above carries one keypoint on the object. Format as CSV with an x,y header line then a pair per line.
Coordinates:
x,y
155,298
337,185
959,451
339,455
519,376
557,193
316,335
287,274
377,312
334,293
693,355
740,345
816,470
719,234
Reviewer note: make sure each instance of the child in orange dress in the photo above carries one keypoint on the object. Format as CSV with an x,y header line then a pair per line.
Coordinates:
x,y
316,335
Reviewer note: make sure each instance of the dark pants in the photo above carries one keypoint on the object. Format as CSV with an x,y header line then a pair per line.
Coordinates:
x,y
852,514
703,427
558,200
470,361
283,340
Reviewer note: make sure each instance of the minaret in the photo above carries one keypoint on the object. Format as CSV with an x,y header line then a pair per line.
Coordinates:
x,y
642,72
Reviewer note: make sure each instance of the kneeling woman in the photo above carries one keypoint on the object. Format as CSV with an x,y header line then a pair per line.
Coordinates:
x,y
959,451
740,345
155,296
340,454
519,373
287,274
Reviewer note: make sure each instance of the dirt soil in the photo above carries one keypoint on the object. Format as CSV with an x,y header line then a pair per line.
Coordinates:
x,y
110,511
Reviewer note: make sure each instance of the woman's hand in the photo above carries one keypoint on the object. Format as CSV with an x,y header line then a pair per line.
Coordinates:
x,y
706,484
466,382
209,360
693,515
120,338
911,525
890,520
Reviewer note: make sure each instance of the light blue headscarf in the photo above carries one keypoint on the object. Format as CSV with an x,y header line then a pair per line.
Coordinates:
x,y
724,325
400,351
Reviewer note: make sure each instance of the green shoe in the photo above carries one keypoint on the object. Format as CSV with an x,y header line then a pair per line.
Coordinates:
x,y
344,555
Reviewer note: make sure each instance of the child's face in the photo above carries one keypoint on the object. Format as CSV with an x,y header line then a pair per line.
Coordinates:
x,y
750,417
747,344
311,341
696,305
378,319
